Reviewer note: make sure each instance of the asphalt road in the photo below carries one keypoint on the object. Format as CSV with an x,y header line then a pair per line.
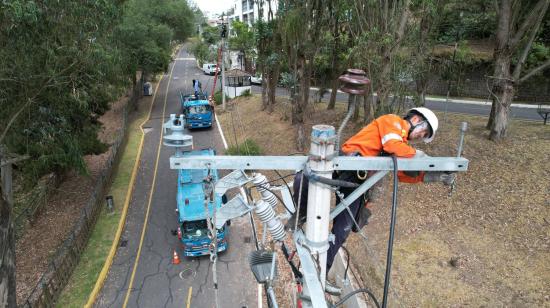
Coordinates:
x,y
483,109
154,281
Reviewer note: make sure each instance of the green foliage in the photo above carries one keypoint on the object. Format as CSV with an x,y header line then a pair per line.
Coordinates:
x,y
66,61
218,98
202,52
211,35
249,148
246,93
466,19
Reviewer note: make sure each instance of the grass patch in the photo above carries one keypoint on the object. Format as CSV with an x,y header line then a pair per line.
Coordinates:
x,y
84,277
486,245
249,147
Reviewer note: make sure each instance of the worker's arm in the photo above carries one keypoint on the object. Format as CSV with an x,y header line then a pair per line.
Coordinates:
x,y
393,143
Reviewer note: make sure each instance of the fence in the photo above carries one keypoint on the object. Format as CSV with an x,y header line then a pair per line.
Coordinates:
x,y
28,208
60,268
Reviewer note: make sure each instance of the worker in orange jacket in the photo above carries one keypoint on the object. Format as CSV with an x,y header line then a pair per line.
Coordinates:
x,y
385,136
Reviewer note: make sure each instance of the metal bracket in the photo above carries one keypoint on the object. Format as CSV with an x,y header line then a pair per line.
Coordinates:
x,y
311,278
323,140
358,192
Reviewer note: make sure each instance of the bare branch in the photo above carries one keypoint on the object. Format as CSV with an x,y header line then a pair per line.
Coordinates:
x,y
539,8
13,118
527,48
534,71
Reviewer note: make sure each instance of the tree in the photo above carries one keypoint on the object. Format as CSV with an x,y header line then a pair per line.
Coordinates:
x,y
243,42
211,35
7,253
517,28
268,41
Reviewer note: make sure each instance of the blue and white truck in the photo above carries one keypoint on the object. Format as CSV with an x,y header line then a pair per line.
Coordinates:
x,y
197,111
194,196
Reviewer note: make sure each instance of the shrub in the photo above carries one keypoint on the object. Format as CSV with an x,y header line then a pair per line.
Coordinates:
x,y
218,98
246,93
249,148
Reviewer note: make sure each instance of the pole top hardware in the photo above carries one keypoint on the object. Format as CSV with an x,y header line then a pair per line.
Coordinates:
x,y
354,81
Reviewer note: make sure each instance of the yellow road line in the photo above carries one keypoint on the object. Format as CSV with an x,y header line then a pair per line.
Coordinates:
x,y
189,297
151,192
103,274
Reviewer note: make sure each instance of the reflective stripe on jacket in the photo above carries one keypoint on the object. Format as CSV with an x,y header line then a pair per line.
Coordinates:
x,y
387,133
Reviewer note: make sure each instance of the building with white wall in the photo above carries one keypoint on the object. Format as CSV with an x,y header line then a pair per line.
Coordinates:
x,y
246,11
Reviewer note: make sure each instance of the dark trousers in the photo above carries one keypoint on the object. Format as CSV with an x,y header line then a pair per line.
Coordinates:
x,y
342,223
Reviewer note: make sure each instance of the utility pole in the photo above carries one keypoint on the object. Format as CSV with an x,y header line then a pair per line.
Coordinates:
x,y
321,153
224,33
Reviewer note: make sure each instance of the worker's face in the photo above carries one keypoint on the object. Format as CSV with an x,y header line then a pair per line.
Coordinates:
x,y
421,130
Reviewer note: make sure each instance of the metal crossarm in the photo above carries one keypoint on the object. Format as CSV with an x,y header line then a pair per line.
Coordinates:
x,y
298,163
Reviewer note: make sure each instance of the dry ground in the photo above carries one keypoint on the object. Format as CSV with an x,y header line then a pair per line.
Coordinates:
x,y
40,240
486,245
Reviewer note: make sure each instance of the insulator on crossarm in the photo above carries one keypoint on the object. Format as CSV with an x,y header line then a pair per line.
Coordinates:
x,y
267,216
263,187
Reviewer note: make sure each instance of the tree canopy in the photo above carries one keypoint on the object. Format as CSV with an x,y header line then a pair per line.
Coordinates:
x,y
64,62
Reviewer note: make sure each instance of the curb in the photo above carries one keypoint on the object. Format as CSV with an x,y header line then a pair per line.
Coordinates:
x,y
106,267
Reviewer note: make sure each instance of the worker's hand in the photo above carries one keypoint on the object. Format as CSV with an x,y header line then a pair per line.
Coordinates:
x,y
447,178
420,154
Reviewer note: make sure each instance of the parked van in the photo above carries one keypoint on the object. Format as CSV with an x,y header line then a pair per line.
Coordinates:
x,y
210,68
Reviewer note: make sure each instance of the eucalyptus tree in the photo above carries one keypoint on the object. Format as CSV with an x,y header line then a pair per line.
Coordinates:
x,y
270,53
58,72
518,26
243,42
302,23
380,30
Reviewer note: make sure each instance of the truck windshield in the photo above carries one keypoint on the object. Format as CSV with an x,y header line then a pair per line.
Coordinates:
x,y
197,228
199,109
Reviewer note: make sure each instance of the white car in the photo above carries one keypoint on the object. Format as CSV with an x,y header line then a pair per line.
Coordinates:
x,y
210,68
256,80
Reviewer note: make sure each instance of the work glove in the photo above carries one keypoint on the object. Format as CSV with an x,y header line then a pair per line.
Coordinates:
x,y
420,154
439,176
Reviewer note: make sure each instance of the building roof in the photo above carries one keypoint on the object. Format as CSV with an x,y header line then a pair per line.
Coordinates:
x,y
236,73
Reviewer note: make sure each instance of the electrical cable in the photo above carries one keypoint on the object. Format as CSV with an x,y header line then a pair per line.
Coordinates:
x,y
391,236
281,178
286,184
327,181
347,262
295,270
349,295
276,196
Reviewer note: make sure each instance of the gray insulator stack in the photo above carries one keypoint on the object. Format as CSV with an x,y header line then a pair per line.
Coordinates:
x,y
263,187
267,216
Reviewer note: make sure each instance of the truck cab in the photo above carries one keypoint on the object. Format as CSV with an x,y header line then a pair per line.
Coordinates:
x,y
193,226
197,111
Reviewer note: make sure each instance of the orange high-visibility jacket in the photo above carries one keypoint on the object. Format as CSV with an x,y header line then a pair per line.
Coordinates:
x,y
387,133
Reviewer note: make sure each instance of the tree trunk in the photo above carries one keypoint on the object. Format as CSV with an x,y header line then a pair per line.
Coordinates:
x,y
273,77
334,64
501,104
334,89
7,254
264,88
301,102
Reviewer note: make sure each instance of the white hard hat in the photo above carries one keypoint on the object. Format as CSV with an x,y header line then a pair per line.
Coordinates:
x,y
431,118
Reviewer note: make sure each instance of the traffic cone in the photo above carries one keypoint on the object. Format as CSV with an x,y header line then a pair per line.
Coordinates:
x,y
176,258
